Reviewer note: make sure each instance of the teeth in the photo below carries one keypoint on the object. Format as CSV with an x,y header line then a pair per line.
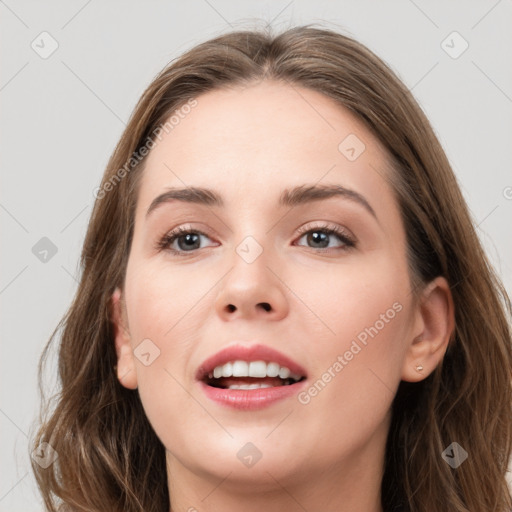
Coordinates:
x,y
240,369
284,372
249,386
258,369
227,370
273,369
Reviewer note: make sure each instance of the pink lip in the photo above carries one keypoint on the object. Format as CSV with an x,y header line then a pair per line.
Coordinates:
x,y
249,399
248,353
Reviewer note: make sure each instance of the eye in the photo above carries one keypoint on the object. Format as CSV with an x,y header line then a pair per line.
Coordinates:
x,y
184,240
181,240
323,237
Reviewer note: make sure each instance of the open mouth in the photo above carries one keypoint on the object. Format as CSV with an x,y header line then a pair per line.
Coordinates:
x,y
248,375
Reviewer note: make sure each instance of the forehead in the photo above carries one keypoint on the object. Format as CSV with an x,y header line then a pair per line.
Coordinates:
x,y
262,138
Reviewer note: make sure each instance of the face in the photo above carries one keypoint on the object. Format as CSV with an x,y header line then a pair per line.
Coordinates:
x,y
270,271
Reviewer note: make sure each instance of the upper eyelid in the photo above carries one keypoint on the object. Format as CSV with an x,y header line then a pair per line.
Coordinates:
x,y
185,228
322,225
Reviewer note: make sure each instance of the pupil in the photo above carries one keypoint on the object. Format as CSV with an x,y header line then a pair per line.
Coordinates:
x,y
190,240
318,237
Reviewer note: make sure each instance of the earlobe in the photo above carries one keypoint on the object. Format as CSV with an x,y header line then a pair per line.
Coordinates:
x,y
436,320
125,367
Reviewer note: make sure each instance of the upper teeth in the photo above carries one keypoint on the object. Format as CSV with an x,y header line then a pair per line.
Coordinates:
x,y
259,369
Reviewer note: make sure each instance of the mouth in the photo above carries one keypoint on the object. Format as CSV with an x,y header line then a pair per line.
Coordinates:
x,y
246,375
250,377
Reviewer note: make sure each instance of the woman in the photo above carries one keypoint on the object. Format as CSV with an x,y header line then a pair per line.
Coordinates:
x,y
283,304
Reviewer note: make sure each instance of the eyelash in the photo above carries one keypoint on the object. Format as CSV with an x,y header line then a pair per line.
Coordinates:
x,y
348,242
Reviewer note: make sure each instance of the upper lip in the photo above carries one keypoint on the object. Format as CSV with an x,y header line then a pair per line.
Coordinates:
x,y
239,352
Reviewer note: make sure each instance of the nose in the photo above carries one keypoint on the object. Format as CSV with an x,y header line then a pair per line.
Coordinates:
x,y
252,291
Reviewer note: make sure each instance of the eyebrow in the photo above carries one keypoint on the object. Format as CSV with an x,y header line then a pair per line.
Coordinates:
x,y
289,197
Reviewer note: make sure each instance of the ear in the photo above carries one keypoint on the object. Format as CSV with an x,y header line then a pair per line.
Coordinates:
x,y
126,372
434,325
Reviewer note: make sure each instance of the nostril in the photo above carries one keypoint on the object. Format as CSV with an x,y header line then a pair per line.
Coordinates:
x,y
265,305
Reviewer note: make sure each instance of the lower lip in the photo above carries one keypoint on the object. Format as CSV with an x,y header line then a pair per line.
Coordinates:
x,y
251,399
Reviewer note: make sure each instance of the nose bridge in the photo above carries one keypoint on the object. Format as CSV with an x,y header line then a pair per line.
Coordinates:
x,y
251,288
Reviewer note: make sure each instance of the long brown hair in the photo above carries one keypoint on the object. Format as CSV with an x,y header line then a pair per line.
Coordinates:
x,y
109,457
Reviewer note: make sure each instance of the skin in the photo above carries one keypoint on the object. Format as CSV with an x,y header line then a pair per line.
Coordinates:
x,y
248,144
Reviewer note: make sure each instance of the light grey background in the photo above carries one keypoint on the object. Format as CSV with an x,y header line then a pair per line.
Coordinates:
x,y
61,117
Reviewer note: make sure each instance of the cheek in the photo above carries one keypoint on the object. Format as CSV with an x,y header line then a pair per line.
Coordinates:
x,y
159,297
157,305
343,301
363,320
